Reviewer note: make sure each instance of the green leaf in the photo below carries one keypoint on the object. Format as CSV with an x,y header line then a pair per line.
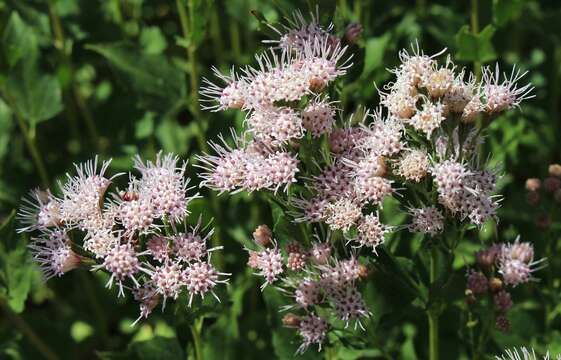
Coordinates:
x,y
152,40
157,348
35,96
145,126
199,11
5,128
159,85
375,49
506,10
18,40
16,268
473,47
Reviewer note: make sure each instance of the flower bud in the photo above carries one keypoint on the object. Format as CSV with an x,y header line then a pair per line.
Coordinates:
x,y
555,170
533,184
253,261
353,32
486,258
291,320
363,272
502,323
551,184
533,198
495,284
262,235
477,283
470,298
503,301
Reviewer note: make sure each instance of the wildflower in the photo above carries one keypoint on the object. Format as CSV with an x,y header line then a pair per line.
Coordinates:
x,y
296,260
427,220
321,252
54,254
270,265
371,231
100,242
148,299
383,136
413,165
190,246
477,283
373,189
159,248
201,278
516,263
39,212
502,323
551,184
318,117
554,170
168,279
231,96
428,118
313,330
503,301
533,184
504,95
353,32
314,210
349,305
342,214
308,293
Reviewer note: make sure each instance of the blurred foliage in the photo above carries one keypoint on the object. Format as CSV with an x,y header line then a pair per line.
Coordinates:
x,y
120,77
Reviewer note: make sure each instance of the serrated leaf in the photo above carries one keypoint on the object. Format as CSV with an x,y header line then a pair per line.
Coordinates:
x,y
159,85
475,47
18,40
16,268
35,96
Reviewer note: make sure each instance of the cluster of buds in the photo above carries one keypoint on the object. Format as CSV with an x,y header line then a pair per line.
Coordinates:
x,y
542,194
499,268
422,140
315,279
136,236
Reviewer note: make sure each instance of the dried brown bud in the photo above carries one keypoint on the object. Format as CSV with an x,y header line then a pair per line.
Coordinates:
x,y
555,170
353,32
495,284
291,320
533,198
543,221
470,298
551,184
363,272
262,235
533,184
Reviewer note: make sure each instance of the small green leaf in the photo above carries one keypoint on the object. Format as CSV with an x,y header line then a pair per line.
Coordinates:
x,y
506,10
475,47
16,268
18,40
159,85
375,49
145,126
35,96
152,40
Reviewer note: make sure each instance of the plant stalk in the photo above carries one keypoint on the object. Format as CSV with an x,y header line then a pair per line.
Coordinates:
x,y
34,151
475,30
432,312
196,334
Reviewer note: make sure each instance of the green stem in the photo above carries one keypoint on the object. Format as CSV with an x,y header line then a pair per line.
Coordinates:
x,y
81,104
196,334
475,30
34,151
28,332
432,313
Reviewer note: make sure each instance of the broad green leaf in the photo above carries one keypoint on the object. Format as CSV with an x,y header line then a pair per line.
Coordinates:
x,y
159,85
475,47
375,49
35,96
152,40
145,126
157,348
18,40
506,10
16,268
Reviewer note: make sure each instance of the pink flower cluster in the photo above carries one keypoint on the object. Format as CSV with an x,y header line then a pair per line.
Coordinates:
x,y
313,278
133,235
500,267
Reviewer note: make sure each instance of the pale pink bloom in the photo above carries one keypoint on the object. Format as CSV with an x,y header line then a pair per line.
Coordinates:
x,y
231,95
313,330
516,263
275,125
426,220
101,241
148,299
349,305
54,254
308,293
342,140
321,252
312,210
371,231
503,301
438,81
318,117
39,211
416,64
270,265
297,32
201,278
383,136
429,118
168,280
373,189
333,182
159,248
461,93
504,95
450,177
477,282
342,214
282,168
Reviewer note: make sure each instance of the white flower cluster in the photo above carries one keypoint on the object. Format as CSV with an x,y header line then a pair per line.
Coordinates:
x,y
133,235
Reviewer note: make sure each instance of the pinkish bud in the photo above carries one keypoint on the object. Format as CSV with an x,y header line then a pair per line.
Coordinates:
x,y
353,32
533,184
503,301
533,198
502,323
477,283
555,170
551,184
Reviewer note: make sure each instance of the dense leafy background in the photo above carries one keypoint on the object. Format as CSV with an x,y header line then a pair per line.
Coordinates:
x,y
120,77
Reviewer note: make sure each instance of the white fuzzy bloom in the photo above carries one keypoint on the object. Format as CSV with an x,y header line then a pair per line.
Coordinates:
x,y
308,293
275,126
39,211
342,214
54,253
100,242
438,81
231,95
270,265
313,330
371,231
383,136
318,117
429,118
516,263
201,278
413,165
